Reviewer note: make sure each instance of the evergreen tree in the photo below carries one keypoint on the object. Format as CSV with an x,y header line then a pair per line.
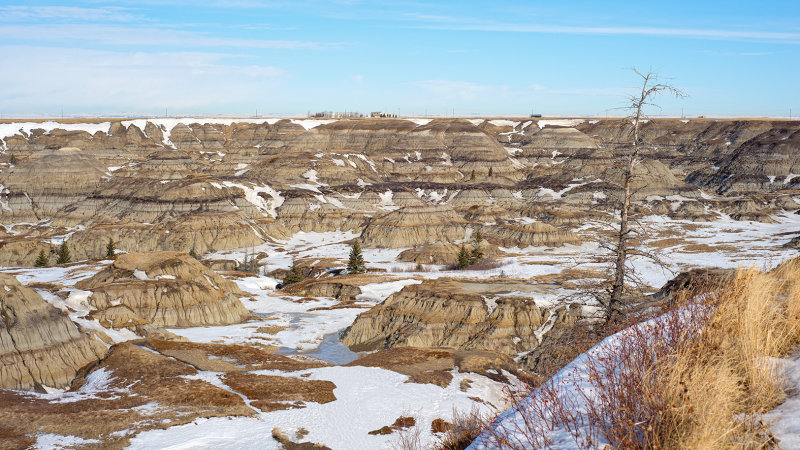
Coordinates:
x,y
472,177
249,264
42,260
463,258
64,255
356,262
111,249
476,253
193,253
294,275
490,171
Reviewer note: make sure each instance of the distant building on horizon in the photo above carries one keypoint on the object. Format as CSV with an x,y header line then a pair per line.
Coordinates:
x,y
335,115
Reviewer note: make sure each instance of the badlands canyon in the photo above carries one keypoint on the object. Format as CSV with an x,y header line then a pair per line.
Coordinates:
x,y
189,335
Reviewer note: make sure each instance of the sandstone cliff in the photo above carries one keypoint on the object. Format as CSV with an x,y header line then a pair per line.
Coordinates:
x,y
39,344
414,225
449,313
162,289
217,184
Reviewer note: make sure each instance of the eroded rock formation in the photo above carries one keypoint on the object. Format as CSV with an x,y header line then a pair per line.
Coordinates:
x,y
214,185
39,344
452,313
168,289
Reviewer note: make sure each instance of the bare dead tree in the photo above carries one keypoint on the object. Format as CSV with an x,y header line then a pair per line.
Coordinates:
x,y
651,87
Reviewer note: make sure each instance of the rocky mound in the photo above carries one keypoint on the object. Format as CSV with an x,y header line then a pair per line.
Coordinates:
x,y
340,288
450,313
39,344
435,365
414,225
163,289
48,181
443,253
133,389
514,234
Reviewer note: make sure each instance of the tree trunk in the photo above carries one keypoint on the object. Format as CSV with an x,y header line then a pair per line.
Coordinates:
x,y
615,300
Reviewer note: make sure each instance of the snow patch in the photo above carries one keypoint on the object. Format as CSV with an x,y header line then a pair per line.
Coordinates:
x,y
560,123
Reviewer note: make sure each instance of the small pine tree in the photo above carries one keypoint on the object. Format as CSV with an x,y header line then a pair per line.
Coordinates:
x,y
249,264
294,275
490,171
41,260
193,253
64,255
476,253
356,262
419,267
111,249
472,177
463,258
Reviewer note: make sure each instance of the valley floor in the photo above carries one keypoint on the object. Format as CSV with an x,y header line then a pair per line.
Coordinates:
x,y
368,398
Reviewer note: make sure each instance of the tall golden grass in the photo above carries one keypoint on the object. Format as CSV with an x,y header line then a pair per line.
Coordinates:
x,y
699,378
715,385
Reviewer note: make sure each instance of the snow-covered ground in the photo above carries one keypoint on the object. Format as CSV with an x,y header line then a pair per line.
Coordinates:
x,y
303,329
785,419
573,386
367,398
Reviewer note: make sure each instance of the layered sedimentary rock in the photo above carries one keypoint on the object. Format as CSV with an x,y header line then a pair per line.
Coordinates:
x,y
520,234
414,225
162,289
449,313
22,251
341,288
324,213
444,253
39,344
47,182
215,184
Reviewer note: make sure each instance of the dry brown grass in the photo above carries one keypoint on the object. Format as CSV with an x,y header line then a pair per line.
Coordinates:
x,y
717,374
705,248
709,385
700,377
464,429
113,415
271,393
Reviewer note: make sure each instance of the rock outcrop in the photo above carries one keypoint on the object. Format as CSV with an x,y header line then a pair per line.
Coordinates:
x,y
414,225
169,289
39,344
449,313
515,234
49,181
215,184
444,254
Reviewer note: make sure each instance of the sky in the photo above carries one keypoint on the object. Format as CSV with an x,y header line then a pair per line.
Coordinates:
x,y
435,58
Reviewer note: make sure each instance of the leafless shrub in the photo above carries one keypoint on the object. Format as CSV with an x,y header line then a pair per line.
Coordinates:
x,y
466,427
698,377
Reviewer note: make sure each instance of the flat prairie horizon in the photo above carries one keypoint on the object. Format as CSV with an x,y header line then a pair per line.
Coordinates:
x,y
101,119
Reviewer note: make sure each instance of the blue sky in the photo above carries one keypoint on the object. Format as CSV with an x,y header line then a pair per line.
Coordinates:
x,y
503,58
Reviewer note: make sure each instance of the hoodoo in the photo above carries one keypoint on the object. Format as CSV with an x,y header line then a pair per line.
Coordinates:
x,y
39,344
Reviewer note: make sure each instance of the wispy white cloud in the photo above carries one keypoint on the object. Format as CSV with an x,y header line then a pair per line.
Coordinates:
x,y
92,80
467,24
71,13
145,36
